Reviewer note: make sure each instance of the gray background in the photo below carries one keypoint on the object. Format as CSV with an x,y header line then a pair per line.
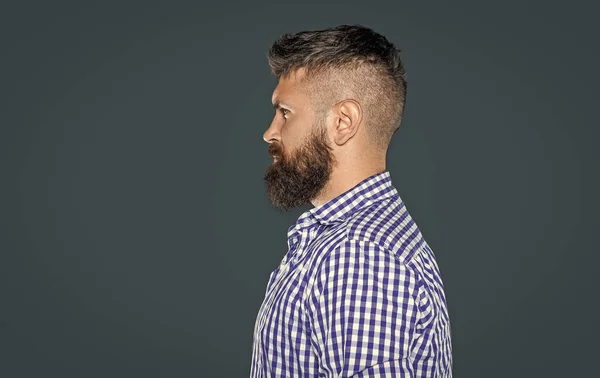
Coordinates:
x,y
136,236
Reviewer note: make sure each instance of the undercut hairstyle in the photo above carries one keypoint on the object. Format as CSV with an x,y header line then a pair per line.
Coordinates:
x,y
347,62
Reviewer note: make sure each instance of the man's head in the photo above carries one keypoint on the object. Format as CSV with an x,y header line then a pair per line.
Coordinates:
x,y
339,100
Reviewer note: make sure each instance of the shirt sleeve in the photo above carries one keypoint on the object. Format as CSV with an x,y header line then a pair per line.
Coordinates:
x,y
362,313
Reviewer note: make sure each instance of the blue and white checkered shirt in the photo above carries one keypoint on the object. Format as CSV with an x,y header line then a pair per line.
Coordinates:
x,y
358,294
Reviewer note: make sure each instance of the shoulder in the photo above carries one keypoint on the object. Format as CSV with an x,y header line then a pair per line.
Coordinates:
x,y
361,260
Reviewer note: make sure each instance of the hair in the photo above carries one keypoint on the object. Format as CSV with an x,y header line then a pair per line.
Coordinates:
x,y
347,61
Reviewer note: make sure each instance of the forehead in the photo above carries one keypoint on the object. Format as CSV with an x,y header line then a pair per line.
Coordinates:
x,y
287,90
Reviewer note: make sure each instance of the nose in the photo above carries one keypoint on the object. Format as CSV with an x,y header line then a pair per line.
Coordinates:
x,y
271,133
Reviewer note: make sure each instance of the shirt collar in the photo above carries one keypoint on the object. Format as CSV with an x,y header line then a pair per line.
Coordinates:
x,y
370,190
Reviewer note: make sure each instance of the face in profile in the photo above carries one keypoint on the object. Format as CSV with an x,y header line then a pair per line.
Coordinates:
x,y
296,177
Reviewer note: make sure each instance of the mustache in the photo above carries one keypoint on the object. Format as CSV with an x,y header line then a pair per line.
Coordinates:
x,y
275,150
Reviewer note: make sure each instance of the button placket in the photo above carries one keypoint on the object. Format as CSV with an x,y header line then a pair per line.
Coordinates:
x,y
304,240
296,250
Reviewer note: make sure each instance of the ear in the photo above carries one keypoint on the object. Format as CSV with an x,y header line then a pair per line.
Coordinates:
x,y
348,116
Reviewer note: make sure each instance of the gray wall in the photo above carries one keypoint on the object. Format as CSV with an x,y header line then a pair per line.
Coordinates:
x,y
136,238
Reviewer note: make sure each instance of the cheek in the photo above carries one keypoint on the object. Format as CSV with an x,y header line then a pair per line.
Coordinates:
x,y
292,135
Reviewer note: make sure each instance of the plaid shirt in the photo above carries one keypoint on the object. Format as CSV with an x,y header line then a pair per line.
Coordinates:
x,y
358,294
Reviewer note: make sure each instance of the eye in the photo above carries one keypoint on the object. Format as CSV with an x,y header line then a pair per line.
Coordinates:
x,y
284,112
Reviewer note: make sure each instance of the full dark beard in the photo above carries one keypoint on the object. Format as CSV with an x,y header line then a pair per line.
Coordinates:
x,y
295,181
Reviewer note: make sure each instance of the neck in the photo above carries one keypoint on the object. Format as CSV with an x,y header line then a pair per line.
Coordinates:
x,y
345,178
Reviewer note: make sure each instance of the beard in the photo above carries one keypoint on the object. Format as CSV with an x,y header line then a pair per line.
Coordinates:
x,y
294,181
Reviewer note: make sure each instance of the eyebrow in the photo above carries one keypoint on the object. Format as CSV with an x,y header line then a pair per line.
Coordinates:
x,y
278,105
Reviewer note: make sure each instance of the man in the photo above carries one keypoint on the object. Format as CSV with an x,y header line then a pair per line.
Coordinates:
x,y
359,292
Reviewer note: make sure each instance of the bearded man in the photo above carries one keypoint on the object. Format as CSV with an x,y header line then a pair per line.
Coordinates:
x,y
359,292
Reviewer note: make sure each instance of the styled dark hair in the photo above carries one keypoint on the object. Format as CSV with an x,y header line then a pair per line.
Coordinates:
x,y
347,61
